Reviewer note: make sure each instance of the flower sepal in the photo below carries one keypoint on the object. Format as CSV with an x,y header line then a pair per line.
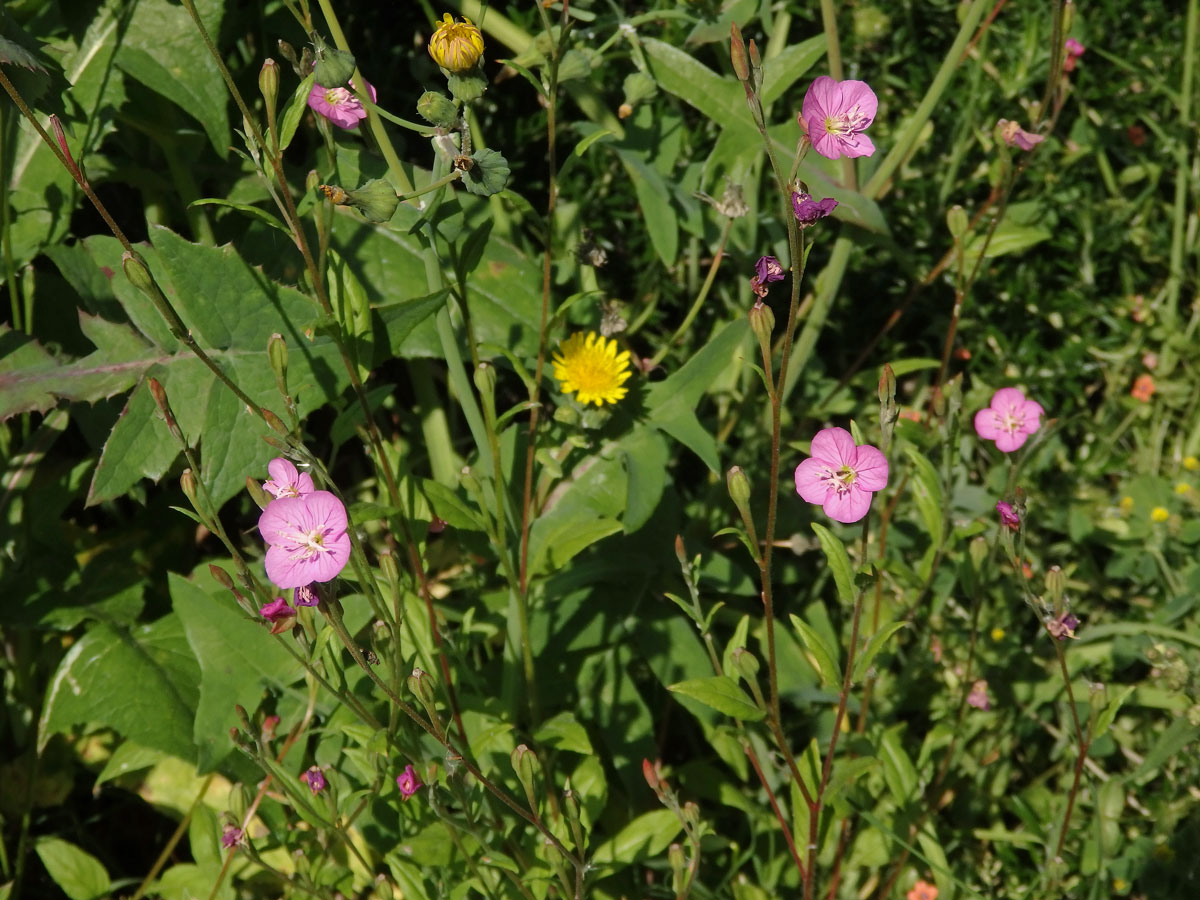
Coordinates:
x,y
334,67
466,87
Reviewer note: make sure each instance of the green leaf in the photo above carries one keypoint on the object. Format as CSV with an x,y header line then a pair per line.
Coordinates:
x,y
898,769
352,311
1178,735
141,683
839,562
644,837
238,658
646,459
825,655
1109,713
587,510
721,693
672,403
739,638
563,732
80,875
927,492
935,856
721,99
294,112
252,211
780,72
448,506
1009,237
654,201
874,645
162,48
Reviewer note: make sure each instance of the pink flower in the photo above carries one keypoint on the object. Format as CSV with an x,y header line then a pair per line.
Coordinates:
x,y
231,836
315,779
408,782
1009,420
835,114
338,105
1015,136
286,481
307,537
1074,51
1008,516
276,610
808,210
978,697
840,475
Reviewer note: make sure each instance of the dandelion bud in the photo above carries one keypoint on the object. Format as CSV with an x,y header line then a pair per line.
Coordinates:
x,y
737,54
268,85
437,109
456,46
525,764
334,67
376,200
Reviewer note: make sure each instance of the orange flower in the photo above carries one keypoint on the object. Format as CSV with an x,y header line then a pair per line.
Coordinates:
x,y
1143,388
922,890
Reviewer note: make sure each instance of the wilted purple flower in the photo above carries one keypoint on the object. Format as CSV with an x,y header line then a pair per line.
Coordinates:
x,y
978,697
808,210
307,537
835,114
1008,516
286,480
767,270
408,782
231,836
1015,136
276,610
314,778
1063,627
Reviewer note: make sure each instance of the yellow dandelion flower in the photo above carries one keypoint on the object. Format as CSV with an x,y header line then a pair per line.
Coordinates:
x,y
1126,504
1182,488
1159,514
591,365
1191,463
998,633
456,46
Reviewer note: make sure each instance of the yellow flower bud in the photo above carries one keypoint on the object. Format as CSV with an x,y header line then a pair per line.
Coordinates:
x,y
456,46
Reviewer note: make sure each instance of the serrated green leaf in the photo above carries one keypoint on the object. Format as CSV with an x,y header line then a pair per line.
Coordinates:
x,y
874,645
722,693
839,562
825,655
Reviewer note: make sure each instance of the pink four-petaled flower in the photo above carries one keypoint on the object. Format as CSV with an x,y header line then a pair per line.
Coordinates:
x,y
286,480
339,105
1010,420
836,113
307,537
840,475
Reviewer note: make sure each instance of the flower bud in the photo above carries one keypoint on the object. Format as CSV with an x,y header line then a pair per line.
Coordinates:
x,y
437,109
680,551
274,422
978,550
456,46
746,663
737,53
334,67
738,485
485,380
762,323
268,85
387,564
187,482
956,221
1056,581
221,577
277,355
311,180
288,52
137,273
679,871
525,764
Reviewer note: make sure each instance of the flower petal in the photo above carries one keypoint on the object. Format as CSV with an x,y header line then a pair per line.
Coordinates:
x,y
855,145
848,507
858,93
871,469
812,480
987,424
834,446
1008,400
819,99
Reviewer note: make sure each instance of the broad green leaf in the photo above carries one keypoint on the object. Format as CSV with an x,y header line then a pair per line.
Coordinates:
x,y
672,403
780,72
563,732
587,510
678,72
935,855
927,492
238,658
141,683
128,757
294,112
644,837
80,875
825,655
721,693
898,769
874,645
646,457
654,200
162,48
1009,237
448,506
839,562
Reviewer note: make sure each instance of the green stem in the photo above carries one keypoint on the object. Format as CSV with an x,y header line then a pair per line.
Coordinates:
x,y
1170,309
